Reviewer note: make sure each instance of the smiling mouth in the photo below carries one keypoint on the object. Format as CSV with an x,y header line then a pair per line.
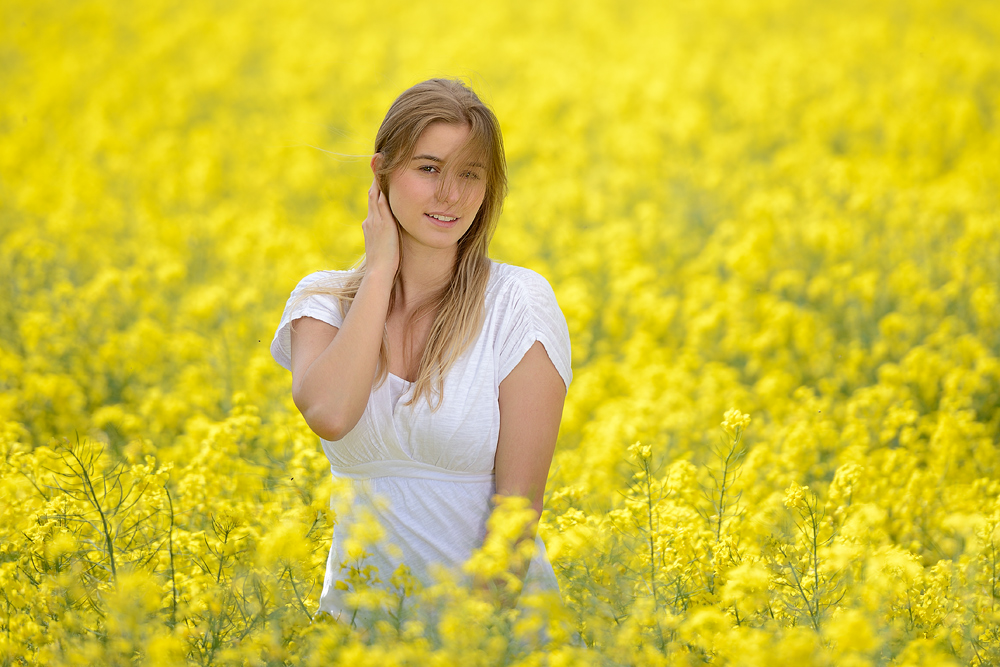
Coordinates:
x,y
442,220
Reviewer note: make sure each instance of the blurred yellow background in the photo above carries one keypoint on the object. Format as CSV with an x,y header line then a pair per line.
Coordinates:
x,y
784,207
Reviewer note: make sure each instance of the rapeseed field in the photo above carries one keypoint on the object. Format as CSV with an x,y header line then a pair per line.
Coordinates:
x,y
774,229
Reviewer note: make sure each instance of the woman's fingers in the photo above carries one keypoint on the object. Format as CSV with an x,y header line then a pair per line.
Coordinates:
x,y
381,233
383,206
378,203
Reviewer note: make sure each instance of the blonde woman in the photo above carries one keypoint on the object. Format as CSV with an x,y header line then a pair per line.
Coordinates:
x,y
434,376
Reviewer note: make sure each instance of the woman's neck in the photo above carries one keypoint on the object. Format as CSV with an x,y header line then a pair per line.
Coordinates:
x,y
425,272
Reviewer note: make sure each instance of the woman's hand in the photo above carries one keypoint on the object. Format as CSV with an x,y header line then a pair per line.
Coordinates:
x,y
381,234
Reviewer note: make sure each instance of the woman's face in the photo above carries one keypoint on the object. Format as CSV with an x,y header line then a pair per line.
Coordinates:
x,y
433,213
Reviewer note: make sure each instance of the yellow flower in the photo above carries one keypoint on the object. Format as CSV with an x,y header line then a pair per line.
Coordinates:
x,y
640,451
795,496
851,631
735,422
747,586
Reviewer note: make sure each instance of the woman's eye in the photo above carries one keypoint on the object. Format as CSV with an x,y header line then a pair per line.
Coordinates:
x,y
471,174
428,168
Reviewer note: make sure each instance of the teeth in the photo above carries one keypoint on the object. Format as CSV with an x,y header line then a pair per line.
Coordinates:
x,y
442,218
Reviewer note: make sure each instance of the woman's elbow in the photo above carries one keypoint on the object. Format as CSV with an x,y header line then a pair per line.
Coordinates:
x,y
327,423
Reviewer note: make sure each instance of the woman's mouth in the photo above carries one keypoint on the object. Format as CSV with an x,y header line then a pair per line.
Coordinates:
x,y
442,220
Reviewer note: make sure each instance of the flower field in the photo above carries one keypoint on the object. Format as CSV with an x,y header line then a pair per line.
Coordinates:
x,y
774,230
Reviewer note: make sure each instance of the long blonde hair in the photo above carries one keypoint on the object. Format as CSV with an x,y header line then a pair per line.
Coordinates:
x,y
460,304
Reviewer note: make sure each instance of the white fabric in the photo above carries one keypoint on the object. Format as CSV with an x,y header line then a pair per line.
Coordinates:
x,y
434,469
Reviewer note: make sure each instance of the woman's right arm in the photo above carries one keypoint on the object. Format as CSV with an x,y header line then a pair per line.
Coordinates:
x,y
333,369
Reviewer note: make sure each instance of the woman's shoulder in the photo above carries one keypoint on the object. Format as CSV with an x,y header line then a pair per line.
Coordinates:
x,y
324,278
507,277
308,299
516,288
525,310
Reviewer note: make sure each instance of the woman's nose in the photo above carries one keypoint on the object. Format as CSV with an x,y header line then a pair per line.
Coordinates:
x,y
449,191
447,194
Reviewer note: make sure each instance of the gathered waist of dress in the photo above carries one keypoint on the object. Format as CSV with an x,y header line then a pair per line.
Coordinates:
x,y
404,468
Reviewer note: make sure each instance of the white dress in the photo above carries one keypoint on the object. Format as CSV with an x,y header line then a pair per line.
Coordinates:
x,y
434,470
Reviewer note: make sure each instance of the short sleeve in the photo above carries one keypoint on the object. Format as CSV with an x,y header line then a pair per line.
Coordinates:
x,y
533,314
322,307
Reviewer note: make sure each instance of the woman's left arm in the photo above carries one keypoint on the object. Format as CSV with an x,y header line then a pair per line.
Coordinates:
x,y
531,404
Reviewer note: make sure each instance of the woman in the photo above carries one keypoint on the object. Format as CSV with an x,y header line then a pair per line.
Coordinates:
x,y
434,376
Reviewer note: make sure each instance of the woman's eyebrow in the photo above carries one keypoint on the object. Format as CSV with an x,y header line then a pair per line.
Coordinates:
x,y
433,158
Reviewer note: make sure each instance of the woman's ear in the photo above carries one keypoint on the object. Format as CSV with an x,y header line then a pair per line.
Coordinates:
x,y
376,163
